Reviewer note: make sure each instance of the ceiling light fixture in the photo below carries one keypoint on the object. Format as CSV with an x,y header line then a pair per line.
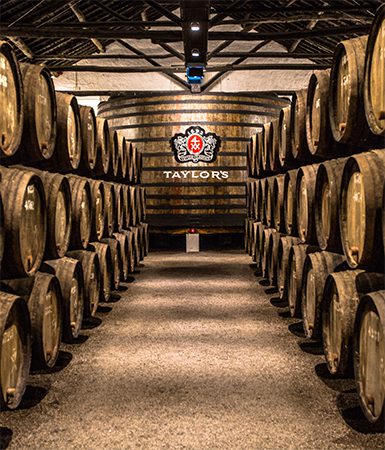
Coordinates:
x,y
195,26
195,52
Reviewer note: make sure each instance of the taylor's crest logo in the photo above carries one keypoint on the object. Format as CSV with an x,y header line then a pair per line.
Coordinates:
x,y
195,145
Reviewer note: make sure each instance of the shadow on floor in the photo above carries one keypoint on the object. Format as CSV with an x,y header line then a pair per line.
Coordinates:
x,y
336,383
104,309
313,348
297,329
271,290
62,362
91,322
264,282
5,437
32,397
278,303
81,339
114,297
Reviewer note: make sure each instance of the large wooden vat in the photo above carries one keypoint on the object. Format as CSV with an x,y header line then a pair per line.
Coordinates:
x,y
202,195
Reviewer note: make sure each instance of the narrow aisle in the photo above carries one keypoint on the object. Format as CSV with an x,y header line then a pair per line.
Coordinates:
x,y
192,356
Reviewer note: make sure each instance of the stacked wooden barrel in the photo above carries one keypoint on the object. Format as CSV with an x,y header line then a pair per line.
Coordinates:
x,y
72,220
323,247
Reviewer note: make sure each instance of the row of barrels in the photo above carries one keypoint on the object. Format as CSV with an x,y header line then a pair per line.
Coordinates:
x,y
50,131
338,205
37,313
44,214
340,113
341,307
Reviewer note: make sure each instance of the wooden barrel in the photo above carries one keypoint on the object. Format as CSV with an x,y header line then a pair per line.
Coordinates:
x,y
254,213
88,135
43,296
273,154
299,147
267,232
249,197
284,246
98,208
39,129
115,168
248,241
136,244
138,202
119,206
146,234
102,147
317,267
285,154
361,203
258,154
122,240
305,194
274,240
91,275
266,148
122,143
131,248
106,269
59,213
70,275
251,150
109,209
201,198
11,101
25,222
2,228
81,212
258,244
346,99
15,349
139,167
133,206
141,241
116,258
290,202
297,256
130,163
374,83
261,199
268,202
341,296
68,149
327,204
318,132
369,348
254,231
277,203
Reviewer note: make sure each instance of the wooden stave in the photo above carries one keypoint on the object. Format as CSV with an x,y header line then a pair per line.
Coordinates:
x,y
329,172
285,155
14,143
61,159
69,271
131,247
321,264
273,257
261,197
268,201
116,258
80,189
373,302
284,246
320,79
375,124
290,221
123,156
102,162
267,232
273,155
98,214
11,306
115,166
349,286
105,263
109,209
299,147
278,202
30,149
91,271
2,228
308,173
88,127
266,149
297,256
119,207
14,188
371,166
124,251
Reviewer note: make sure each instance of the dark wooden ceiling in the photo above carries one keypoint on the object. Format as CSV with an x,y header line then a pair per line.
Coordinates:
x,y
58,33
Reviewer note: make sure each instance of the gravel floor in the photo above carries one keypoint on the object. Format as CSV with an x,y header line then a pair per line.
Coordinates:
x,y
196,354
